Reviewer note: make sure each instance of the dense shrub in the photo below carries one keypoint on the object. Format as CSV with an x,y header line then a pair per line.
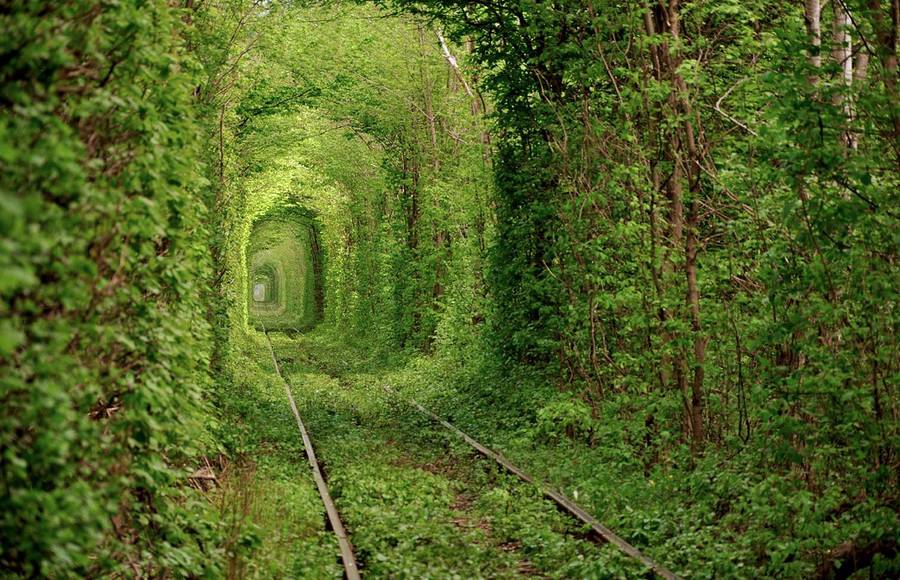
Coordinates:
x,y
103,341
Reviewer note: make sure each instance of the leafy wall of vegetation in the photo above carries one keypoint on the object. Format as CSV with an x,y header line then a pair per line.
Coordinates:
x,y
658,239
103,341
695,228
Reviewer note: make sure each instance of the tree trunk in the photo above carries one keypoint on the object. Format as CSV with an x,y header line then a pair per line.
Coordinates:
x,y
687,162
693,300
813,17
842,55
886,33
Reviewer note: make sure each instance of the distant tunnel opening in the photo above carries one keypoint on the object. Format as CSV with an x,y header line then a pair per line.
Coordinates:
x,y
285,275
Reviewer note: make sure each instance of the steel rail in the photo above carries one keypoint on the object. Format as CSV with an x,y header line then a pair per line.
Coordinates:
x,y
558,497
351,570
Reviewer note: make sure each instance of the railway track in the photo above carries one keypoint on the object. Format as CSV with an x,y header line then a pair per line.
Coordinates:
x,y
563,502
348,559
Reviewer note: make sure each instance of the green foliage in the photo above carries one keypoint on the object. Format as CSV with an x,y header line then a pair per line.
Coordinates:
x,y
392,166
655,261
694,227
103,345
564,418
283,254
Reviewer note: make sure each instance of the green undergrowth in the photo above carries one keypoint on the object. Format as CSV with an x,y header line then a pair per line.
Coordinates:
x,y
419,503
268,496
716,516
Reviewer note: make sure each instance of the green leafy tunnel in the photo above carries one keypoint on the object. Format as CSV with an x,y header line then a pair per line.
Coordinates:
x,y
649,250
285,272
